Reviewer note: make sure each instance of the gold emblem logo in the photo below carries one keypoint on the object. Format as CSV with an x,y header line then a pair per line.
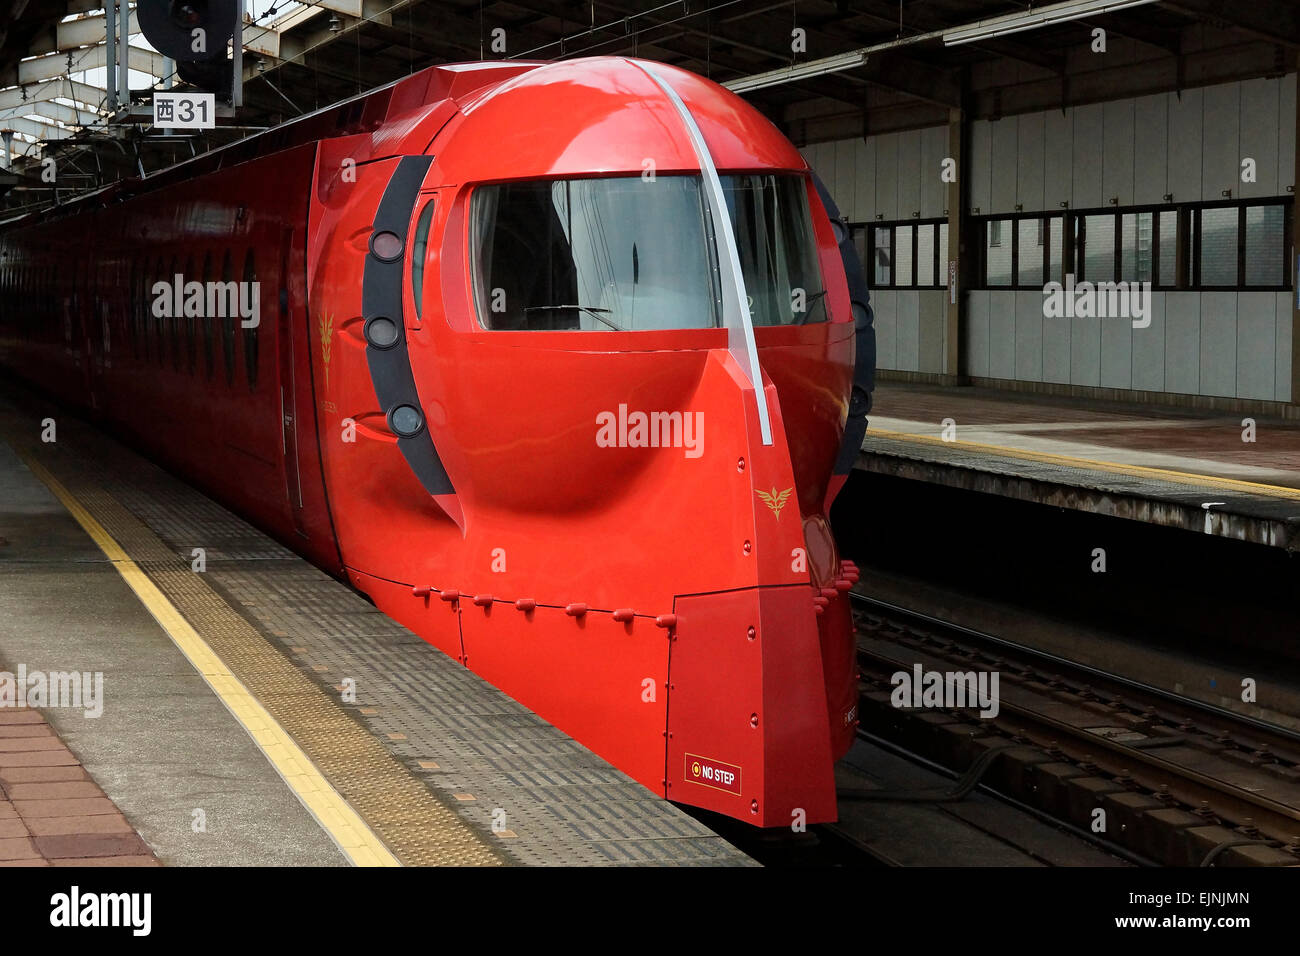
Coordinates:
x,y
775,499
326,338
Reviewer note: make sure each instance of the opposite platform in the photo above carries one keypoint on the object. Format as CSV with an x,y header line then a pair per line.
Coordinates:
x,y
230,733
1168,467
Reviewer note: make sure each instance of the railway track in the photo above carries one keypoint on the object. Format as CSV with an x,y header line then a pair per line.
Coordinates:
x,y
1163,777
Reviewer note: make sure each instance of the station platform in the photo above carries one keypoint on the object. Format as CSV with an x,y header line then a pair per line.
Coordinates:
x,y
225,736
1162,465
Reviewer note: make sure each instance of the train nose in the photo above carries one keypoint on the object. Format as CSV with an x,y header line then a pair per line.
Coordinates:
x,y
749,732
652,470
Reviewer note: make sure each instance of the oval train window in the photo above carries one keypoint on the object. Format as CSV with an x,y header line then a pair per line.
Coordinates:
x,y
228,321
246,296
419,250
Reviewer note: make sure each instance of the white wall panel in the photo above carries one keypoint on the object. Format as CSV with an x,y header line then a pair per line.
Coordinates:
x,y
1282,349
977,329
907,350
1116,353
1150,149
1149,349
1003,161
1056,350
864,190
1085,351
885,305
1058,158
1220,141
932,322
1088,160
1117,152
981,145
843,185
1286,133
909,173
1185,124
1260,116
887,173
1002,334
1183,342
817,156
1029,336
1256,340
1029,161
934,191
1219,343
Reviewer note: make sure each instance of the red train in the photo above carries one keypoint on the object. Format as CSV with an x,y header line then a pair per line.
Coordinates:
x,y
554,362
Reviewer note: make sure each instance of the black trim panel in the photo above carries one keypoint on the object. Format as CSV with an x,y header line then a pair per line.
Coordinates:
x,y
381,295
864,361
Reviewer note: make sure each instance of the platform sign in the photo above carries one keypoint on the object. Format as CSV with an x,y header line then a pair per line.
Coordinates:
x,y
185,110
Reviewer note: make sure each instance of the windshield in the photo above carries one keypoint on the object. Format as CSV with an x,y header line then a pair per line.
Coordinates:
x,y
635,253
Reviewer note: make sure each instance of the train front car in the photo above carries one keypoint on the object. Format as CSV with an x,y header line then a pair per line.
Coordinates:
x,y
584,365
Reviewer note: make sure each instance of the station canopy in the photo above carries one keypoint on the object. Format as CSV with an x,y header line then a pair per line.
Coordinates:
x,y
820,69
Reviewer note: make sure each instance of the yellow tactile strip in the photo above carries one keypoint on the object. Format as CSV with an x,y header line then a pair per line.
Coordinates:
x,y
1131,471
361,794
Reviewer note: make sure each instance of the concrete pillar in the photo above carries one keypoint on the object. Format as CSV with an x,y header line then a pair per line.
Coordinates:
x,y
960,267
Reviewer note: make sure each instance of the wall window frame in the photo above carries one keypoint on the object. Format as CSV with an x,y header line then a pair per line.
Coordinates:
x,y
1185,264
867,238
1009,237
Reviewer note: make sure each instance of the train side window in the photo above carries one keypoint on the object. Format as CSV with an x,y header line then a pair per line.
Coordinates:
x,y
153,342
250,331
419,250
141,307
174,323
132,299
160,321
190,322
150,276
167,336
228,321
206,330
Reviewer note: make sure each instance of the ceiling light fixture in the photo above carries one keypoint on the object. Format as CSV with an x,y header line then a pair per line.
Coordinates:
x,y
1032,19
800,71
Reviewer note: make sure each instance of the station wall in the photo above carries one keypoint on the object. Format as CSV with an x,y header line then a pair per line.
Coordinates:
x,y
1132,152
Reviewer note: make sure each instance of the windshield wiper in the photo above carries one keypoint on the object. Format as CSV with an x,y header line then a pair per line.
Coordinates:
x,y
594,312
802,317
